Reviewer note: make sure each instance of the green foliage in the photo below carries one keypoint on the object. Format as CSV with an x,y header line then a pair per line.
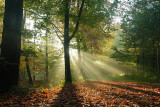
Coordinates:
x,y
139,76
29,51
1,18
140,35
27,33
123,56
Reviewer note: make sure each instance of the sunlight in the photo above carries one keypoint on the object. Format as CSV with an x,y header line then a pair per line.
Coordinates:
x,y
57,73
57,44
29,24
80,53
91,71
75,68
73,52
75,65
89,67
104,64
117,20
93,67
99,63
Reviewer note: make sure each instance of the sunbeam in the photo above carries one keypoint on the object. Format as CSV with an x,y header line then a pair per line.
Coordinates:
x,y
57,73
93,67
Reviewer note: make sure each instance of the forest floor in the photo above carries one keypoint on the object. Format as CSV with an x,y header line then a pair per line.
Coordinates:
x,y
88,94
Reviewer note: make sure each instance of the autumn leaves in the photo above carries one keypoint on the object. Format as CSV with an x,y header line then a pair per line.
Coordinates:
x,y
92,93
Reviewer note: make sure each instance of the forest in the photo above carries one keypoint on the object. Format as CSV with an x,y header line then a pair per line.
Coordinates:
x,y
79,53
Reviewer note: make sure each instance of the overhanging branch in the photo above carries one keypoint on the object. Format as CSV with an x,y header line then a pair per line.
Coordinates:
x,y
77,24
58,35
41,17
53,25
57,29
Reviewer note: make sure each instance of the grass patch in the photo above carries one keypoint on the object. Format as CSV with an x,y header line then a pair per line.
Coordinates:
x,y
137,77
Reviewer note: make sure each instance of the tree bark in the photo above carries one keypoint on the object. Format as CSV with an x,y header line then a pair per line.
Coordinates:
x,y
46,56
28,70
78,42
68,78
67,39
154,56
158,57
79,49
11,44
34,63
143,61
77,23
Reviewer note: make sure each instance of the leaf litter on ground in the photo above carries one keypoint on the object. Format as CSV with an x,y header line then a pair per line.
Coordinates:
x,y
89,93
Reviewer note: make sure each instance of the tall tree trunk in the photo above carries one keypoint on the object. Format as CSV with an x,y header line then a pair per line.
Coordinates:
x,y
154,56
34,63
24,73
68,78
138,59
79,59
28,70
78,38
158,58
11,44
46,56
78,42
67,39
78,48
143,60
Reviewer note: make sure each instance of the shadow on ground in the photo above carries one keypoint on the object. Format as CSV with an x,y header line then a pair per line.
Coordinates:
x,y
66,97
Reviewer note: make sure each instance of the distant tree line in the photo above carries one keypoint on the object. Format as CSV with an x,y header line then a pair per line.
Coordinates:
x,y
141,36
